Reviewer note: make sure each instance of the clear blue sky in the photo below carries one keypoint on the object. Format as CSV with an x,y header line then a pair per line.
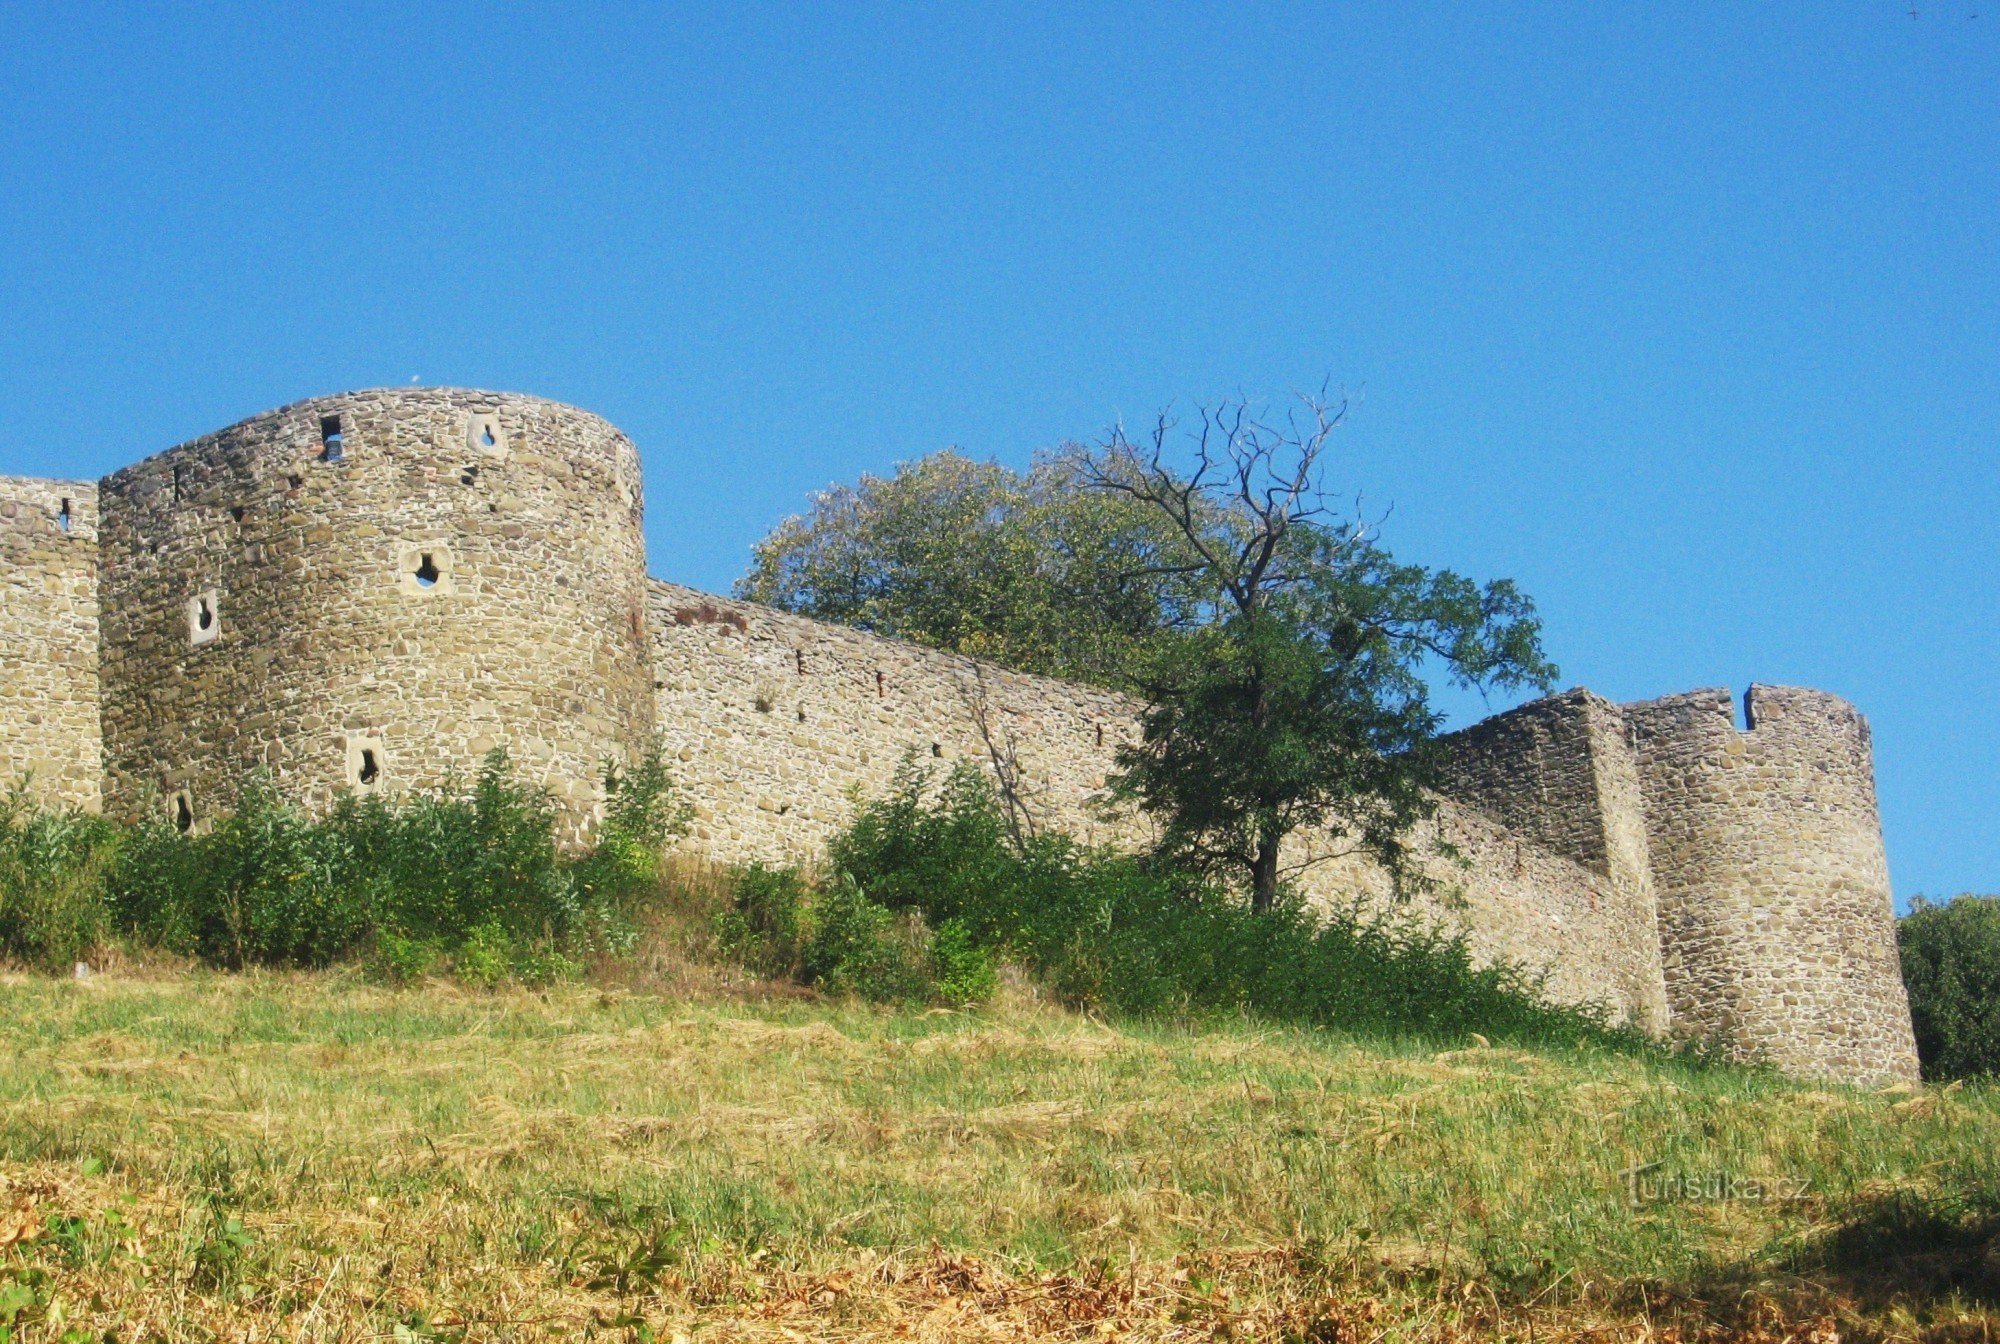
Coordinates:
x,y
1689,321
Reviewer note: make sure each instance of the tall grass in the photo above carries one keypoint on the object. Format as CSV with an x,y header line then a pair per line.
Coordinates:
x,y
1122,933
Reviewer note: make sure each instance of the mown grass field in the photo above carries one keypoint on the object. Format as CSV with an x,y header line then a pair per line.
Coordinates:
x,y
312,1157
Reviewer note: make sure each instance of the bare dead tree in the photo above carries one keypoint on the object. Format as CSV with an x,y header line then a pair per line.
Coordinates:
x,y
1004,757
1255,479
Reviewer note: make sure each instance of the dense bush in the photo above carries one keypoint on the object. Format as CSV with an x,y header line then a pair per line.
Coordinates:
x,y
469,879
52,907
1951,964
832,936
1117,932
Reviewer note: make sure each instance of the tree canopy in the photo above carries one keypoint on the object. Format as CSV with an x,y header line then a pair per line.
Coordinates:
x,y
1031,569
1284,656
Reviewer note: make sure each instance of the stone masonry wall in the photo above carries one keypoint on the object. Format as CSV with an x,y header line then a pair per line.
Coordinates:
x,y
1559,770
1777,929
48,641
370,591
776,721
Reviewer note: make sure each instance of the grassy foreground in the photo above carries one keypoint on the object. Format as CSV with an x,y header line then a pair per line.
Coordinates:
x,y
314,1157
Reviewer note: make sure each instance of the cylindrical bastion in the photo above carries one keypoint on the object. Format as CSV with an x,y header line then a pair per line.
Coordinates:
x,y
370,592
1777,929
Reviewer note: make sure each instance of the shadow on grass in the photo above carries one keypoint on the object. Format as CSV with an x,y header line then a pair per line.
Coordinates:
x,y
1903,1248
1927,1259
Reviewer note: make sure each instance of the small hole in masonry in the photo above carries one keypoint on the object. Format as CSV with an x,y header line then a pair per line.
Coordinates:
x,y
936,750
333,444
802,716
236,511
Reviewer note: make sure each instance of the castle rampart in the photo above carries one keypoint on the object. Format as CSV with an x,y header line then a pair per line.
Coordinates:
x,y
1559,770
777,723
370,591
49,731
1776,921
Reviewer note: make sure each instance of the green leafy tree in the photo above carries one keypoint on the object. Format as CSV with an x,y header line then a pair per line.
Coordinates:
x,y
1284,655
1298,693
1032,569
1951,964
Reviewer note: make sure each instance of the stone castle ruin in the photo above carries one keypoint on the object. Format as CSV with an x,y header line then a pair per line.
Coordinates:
x,y
370,591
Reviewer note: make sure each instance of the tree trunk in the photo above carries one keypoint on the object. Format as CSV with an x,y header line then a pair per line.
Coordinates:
x,y
1264,874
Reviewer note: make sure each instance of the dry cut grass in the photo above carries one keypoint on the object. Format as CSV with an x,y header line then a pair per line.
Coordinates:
x,y
312,1157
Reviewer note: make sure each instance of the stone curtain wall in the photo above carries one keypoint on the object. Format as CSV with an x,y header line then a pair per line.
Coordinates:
x,y
1559,770
48,641
394,583
772,720
1777,928
775,722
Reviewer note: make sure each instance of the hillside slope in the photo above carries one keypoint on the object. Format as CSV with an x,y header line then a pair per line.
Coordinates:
x,y
315,1157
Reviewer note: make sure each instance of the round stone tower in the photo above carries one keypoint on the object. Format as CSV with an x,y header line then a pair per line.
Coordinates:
x,y
369,592
48,641
1776,921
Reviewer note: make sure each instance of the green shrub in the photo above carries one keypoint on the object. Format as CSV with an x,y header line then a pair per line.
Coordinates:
x,y
832,936
52,907
1951,964
469,879
1106,930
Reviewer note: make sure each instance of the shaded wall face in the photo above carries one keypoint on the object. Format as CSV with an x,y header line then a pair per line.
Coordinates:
x,y
1561,771
1777,928
48,641
369,592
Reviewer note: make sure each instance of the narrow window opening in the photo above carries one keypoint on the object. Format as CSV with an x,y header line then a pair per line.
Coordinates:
x,y
486,439
936,750
333,444
802,716
427,572
183,812
62,517
799,660
177,485
369,771
1100,734
204,622
236,512
470,476
881,685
